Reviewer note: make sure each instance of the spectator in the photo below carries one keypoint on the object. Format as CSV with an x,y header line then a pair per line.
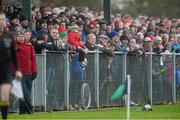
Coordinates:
x,y
158,47
64,41
176,45
103,46
41,25
124,46
50,24
115,38
132,45
75,40
42,43
54,36
91,42
24,22
178,76
56,24
14,21
165,38
27,35
28,66
167,47
148,44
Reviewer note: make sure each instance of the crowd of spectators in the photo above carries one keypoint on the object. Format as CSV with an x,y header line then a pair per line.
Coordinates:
x,y
82,30
56,28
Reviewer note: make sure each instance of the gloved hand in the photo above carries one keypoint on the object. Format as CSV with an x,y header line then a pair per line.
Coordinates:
x,y
68,46
34,75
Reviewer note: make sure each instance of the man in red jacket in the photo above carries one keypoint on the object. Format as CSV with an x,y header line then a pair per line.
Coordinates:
x,y
75,40
28,66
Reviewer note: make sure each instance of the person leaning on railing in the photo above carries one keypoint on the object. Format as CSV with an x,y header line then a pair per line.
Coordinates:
x,y
105,45
41,42
74,39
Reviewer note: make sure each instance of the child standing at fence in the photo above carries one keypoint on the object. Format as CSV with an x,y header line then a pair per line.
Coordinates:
x,y
75,40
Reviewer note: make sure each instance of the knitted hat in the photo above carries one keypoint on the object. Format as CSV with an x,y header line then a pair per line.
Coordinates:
x,y
113,34
63,35
42,32
147,39
158,38
74,27
20,33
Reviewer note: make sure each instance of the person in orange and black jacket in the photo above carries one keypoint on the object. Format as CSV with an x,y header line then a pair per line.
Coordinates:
x,y
28,66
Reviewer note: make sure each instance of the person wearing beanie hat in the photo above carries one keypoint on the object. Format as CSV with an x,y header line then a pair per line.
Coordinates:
x,y
13,21
113,34
20,33
148,44
63,36
28,65
63,41
24,22
75,40
115,38
73,27
42,32
158,47
140,35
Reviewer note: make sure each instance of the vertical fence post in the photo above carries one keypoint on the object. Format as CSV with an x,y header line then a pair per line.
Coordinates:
x,y
128,96
124,73
174,78
96,69
44,78
124,67
66,79
150,79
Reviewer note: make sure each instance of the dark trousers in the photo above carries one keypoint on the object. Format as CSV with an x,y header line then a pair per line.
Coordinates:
x,y
25,105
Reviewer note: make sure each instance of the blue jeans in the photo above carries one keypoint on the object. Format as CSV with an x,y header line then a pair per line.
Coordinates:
x,y
25,105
